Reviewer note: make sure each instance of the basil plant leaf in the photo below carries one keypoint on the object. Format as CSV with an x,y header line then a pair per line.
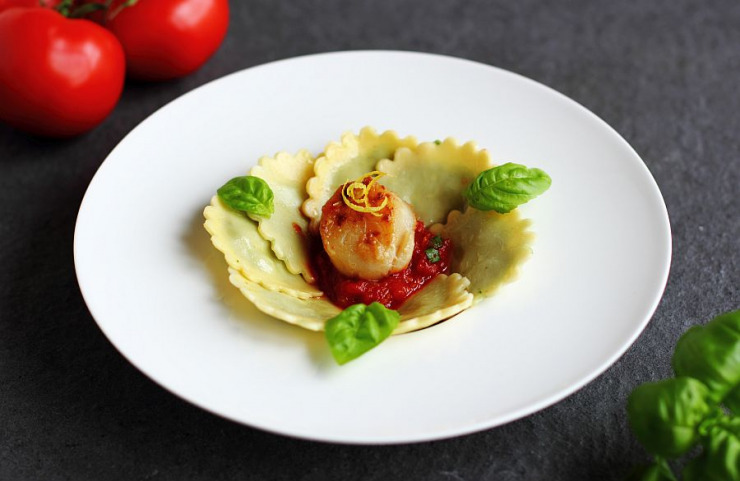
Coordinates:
x,y
720,460
732,400
358,329
249,194
665,415
711,354
506,187
658,471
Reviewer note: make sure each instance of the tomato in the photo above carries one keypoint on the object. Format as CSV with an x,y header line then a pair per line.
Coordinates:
x,y
6,4
166,39
58,77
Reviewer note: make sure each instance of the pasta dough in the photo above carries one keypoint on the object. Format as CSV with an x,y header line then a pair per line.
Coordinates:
x,y
269,260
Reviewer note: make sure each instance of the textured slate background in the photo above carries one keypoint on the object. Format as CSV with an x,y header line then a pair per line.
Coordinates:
x,y
664,73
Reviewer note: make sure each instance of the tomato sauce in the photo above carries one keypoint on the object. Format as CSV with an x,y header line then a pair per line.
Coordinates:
x,y
392,290
298,230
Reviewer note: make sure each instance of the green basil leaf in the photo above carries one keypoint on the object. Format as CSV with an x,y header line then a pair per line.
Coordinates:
x,y
711,354
665,415
358,329
658,471
249,194
720,460
506,187
732,400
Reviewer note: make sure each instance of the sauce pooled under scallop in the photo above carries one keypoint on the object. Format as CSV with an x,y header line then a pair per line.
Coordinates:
x,y
367,231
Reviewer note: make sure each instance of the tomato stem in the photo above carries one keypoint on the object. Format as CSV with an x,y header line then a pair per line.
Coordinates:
x,y
127,3
64,7
70,8
86,9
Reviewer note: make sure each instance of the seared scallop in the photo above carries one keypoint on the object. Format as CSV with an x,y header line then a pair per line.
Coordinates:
x,y
369,240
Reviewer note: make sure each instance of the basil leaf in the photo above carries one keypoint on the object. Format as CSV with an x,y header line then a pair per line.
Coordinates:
x,y
720,460
358,329
732,400
711,354
665,415
506,187
249,194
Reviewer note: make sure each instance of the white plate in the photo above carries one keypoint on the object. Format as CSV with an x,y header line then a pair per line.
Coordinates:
x,y
159,290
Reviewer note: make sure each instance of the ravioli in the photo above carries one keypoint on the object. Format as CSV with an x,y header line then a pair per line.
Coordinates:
x,y
488,247
345,160
246,251
286,228
309,313
444,297
432,176
269,260
441,299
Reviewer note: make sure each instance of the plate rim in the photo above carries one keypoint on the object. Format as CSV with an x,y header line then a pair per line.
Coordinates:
x,y
470,428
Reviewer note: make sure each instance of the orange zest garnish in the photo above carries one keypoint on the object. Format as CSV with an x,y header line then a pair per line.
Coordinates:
x,y
355,194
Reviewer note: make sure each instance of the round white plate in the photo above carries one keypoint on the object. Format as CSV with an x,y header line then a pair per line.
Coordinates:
x,y
159,290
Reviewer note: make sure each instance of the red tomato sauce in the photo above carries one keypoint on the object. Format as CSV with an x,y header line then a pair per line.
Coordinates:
x,y
392,290
298,230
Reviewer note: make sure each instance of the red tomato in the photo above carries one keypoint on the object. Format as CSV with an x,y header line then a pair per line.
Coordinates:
x,y
6,4
166,39
58,77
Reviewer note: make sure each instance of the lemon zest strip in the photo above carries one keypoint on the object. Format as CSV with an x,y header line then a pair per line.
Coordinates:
x,y
360,202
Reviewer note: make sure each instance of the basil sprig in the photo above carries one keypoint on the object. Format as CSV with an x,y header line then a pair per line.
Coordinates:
x,y
358,329
506,187
665,415
720,459
711,354
700,406
249,194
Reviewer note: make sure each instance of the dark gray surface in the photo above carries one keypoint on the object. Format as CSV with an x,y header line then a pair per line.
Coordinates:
x,y
664,74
